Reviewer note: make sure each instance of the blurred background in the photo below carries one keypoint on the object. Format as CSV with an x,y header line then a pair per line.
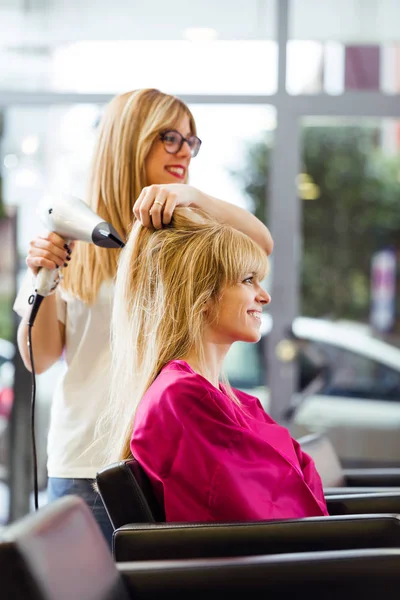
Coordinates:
x,y
297,105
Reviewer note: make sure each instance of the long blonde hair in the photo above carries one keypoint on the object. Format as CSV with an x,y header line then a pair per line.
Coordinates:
x,y
165,283
129,127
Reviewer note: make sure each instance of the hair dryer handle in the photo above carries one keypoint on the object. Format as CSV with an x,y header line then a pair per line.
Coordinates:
x,y
45,281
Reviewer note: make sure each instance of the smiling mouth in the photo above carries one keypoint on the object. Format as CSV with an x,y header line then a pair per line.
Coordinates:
x,y
255,314
178,172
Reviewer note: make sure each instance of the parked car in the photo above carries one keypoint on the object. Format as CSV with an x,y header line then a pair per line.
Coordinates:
x,y
358,401
45,384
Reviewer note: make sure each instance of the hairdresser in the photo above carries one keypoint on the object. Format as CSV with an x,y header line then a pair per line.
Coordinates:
x,y
145,144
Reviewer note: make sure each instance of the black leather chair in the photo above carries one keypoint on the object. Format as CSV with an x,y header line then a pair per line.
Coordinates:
x,y
366,574
141,532
338,480
127,494
138,542
128,497
59,553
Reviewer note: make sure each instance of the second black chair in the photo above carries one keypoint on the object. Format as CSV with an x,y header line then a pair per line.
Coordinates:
x,y
141,532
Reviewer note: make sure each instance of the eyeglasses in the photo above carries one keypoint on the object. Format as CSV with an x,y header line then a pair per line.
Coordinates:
x,y
173,142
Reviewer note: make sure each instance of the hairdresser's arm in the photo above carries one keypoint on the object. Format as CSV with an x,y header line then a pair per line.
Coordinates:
x,y
237,217
48,333
156,204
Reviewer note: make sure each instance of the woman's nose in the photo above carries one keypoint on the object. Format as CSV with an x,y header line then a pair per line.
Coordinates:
x,y
264,297
185,151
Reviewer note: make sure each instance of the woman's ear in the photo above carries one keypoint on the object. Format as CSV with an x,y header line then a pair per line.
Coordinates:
x,y
210,309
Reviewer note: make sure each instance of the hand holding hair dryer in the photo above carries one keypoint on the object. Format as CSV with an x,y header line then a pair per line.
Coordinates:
x,y
73,220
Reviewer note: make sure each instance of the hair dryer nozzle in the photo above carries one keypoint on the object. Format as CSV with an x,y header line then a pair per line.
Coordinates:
x,y
106,236
73,219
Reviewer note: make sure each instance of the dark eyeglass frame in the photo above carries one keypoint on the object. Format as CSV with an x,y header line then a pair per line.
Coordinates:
x,y
194,150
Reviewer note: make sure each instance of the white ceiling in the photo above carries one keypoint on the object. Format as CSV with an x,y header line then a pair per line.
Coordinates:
x,y
348,21
53,22
46,23
43,24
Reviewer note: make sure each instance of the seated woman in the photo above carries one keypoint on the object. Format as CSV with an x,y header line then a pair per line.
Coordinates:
x,y
184,294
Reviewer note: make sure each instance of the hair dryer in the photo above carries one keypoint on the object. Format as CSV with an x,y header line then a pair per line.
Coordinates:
x,y
71,218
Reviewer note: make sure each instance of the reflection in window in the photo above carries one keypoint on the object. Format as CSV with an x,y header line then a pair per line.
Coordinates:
x,y
356,376
244,366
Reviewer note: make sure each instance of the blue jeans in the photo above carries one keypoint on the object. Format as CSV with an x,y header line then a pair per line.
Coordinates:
x,y
59,486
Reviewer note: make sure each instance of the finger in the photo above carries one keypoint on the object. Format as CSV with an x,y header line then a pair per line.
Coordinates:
x,y
136,205
157,209
34,269
54,238
43,244
146,205
37,262
169,208
139,201
49,252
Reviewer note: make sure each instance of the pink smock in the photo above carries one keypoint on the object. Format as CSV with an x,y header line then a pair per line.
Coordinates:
x,y
209,459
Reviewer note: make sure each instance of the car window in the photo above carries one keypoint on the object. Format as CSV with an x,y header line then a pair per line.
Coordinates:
x,y
243,365
356,376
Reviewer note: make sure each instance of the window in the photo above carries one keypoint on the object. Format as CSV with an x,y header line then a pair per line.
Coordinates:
x,y
245,365
356,376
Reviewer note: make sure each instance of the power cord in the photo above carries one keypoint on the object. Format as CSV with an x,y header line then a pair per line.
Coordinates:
x,y
35,301
33,398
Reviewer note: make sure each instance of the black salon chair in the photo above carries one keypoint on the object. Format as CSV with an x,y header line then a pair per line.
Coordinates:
x,y
142,534
338,480
59,553
346,574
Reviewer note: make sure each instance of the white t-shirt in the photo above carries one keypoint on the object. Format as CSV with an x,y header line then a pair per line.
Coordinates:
x,y
82,391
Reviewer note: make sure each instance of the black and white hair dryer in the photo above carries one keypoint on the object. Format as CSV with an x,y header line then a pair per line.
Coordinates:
x,y
73,220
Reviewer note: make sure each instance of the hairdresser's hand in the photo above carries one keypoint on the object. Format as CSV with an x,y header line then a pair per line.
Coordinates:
x,y
156,203
49,251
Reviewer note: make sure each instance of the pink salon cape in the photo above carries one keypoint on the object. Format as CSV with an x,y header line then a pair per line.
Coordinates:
x,y
210,460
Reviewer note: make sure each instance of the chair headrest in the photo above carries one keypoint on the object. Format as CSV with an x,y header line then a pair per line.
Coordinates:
x,y
58,553
128,495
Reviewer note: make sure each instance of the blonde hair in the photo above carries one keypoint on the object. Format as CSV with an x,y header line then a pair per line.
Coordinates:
x,y
129,127
166,281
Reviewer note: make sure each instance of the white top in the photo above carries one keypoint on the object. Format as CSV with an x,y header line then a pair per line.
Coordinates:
x,y
82,390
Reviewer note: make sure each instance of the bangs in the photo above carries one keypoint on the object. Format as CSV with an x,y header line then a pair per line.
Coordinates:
x,y
176,114
247,258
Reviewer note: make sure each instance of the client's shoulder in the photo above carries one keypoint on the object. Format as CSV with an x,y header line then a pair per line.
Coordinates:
x,y
177,381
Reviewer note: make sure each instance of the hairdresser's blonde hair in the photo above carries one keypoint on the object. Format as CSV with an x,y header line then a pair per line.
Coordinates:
x,y
166,282
130,125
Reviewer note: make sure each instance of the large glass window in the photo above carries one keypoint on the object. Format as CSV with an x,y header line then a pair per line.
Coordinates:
x,y
349,190
346,46
48,150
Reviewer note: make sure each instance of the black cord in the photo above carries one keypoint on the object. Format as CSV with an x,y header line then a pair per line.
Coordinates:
x,y
33,398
